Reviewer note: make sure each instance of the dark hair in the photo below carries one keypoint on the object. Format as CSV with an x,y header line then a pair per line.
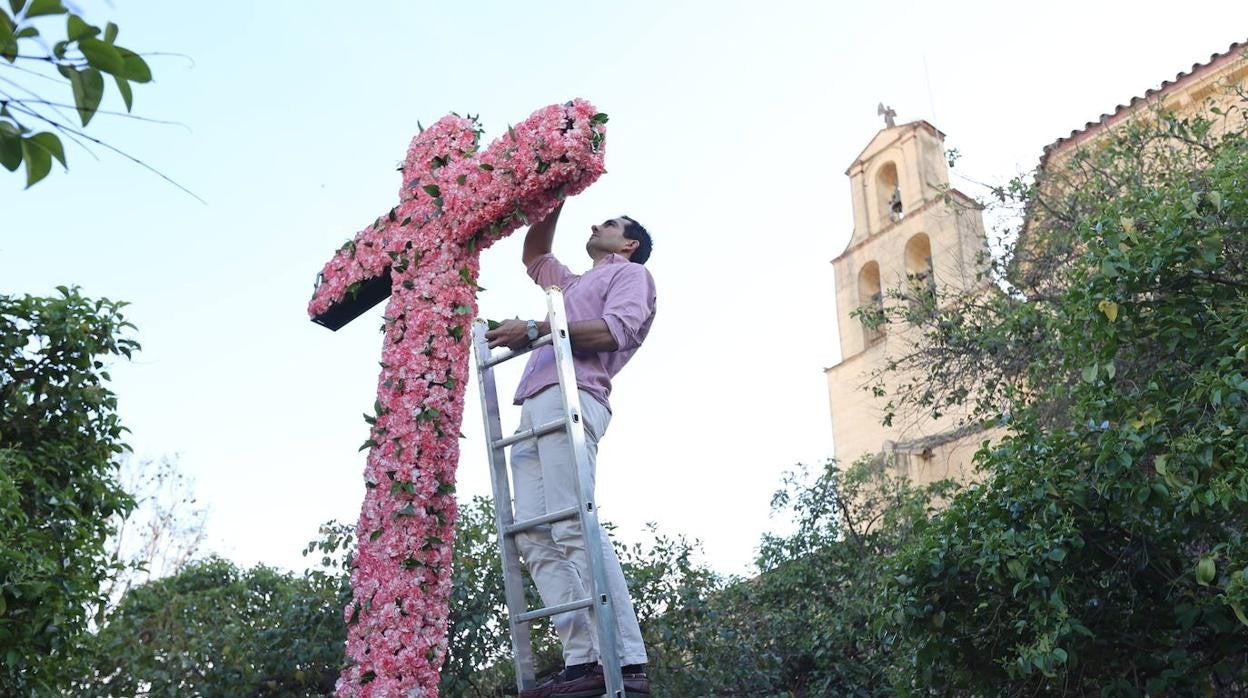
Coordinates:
x,y
636,231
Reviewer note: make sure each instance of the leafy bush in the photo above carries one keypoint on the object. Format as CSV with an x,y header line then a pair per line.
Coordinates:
x,y
215,630
59,440
1104,554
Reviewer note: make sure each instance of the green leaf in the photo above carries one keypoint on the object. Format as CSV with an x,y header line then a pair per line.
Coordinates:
x,y
428,414
1215,198
103,56
77,29
136,67
598,118
1016,568
10,146
26,33
8,43
16,5
88,87
432,190
123,86
1239,613
51,143
463,309
1206,570
1090,372
511,132
38,161
1057,554
110,32
486,166
1108,307
42,8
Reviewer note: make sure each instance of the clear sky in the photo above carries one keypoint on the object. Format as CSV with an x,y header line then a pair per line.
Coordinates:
x,y
732,124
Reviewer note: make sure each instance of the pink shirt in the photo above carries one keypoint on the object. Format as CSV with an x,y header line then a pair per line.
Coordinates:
x,y
616,291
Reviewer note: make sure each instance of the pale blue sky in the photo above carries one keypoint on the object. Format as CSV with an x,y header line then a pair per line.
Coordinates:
x,y
731,127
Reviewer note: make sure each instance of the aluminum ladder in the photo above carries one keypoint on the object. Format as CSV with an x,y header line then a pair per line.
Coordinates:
x,y
518,615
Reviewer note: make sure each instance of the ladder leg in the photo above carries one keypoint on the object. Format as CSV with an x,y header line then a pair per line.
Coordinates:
x,y
513,587
604,607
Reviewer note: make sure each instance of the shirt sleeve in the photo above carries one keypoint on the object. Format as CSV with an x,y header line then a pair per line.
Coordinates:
x,y
548,271
629,306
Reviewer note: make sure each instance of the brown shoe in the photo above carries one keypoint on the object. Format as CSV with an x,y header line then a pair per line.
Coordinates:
x,y
636,684
544,688
591,685
594,685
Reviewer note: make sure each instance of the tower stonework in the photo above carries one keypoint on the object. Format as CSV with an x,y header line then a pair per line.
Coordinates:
x,y
913,233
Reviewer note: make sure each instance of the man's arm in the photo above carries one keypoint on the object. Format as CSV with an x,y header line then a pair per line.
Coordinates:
x,y
541,235
630,303
586,335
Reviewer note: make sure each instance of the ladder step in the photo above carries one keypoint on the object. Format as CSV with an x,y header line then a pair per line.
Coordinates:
x,y
520,526
554,610
528,434
509,354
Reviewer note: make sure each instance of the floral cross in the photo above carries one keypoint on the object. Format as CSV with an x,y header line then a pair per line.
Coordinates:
x,y
425,255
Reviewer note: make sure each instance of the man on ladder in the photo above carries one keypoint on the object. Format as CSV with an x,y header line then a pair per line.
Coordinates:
x,y
609,309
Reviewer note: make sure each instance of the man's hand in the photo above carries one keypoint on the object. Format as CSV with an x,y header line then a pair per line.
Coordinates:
x,y
513,334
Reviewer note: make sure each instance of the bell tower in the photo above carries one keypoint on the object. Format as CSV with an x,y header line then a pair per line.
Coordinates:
x,y
913,233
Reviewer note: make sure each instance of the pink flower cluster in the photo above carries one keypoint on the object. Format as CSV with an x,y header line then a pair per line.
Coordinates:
x,y
454,202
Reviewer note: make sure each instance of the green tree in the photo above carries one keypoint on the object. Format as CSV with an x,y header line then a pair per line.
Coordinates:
x,y
80,57
808,623
1104,553
216,630
60,438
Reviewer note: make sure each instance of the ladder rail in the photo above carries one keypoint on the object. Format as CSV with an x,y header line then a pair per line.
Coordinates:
x,y
604,607
599,600
513,589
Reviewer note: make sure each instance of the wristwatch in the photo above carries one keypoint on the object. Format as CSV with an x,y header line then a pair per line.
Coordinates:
x,y
531,330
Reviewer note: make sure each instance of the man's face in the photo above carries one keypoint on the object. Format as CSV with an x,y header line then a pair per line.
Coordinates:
x,y
608,237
